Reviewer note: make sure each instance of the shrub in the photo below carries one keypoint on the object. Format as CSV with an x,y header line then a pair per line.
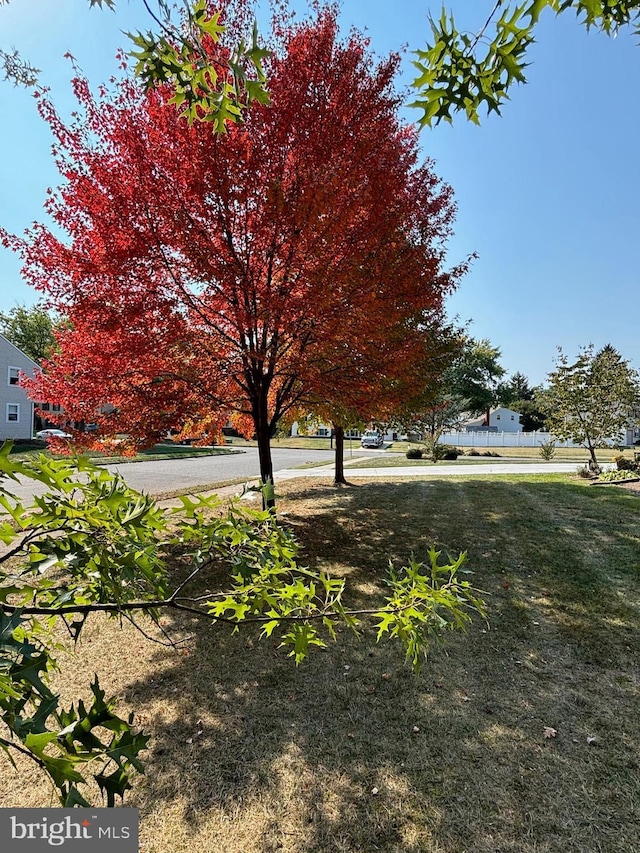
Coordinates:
x,y
623,464
548,450
447,451
473,452
584,471
435,451
414,453
618,476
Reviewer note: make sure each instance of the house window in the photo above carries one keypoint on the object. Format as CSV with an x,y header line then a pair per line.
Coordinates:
x,y
13,413
497,417
513,417
14,375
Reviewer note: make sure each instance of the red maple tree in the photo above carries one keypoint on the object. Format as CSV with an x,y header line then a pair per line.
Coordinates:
x,y
209,277
388,370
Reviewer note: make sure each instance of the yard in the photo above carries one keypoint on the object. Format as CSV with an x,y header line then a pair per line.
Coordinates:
x,y
26,450
521,736
579,455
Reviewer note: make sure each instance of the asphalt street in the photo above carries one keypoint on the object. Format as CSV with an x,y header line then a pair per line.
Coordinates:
x,y
167,475
172,475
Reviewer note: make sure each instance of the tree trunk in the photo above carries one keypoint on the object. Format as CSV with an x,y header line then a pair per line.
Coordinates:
x,y
594,467
339,479
263,437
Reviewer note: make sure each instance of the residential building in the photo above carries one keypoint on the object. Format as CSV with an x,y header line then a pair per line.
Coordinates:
x,y
499,419
16,409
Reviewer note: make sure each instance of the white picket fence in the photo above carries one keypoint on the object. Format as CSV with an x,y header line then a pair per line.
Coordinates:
x,y
501,439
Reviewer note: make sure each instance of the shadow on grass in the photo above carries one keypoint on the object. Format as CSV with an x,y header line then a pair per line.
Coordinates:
x,y
352,752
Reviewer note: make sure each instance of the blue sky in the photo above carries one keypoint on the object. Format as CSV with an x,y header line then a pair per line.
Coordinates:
x,y
548,195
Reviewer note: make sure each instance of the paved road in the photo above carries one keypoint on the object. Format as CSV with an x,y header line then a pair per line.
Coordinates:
x,y
175,474
172,474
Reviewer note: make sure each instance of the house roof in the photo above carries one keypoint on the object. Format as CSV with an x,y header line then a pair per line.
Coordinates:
x,y
17,349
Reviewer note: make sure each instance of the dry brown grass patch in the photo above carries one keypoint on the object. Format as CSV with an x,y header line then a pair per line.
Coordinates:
x,y
351,752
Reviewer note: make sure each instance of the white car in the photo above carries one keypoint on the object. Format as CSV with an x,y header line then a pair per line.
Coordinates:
x,y
372,438
52,433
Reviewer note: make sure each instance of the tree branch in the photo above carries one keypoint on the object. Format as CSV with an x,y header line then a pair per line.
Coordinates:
x,y
181,604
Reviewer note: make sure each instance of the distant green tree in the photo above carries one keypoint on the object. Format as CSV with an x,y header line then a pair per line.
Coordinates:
x,y
466,385
474,378
515,388
591,400
532,416
31,330
429,425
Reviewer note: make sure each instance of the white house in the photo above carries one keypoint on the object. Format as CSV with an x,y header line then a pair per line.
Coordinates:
x,y
16,409
501,419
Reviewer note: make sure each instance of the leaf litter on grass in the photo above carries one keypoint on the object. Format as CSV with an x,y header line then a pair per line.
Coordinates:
x,y
265,772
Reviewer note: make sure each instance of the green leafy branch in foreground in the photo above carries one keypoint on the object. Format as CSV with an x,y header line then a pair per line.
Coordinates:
x,y
457,72
204,89
90,544
461,72
183,55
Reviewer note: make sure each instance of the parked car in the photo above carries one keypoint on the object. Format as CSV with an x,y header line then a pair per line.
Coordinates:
x,y
52,433
372,438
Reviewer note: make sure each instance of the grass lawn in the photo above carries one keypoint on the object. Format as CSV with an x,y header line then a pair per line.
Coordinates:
x,y
295,442
160,451
395,461
352,753
578,455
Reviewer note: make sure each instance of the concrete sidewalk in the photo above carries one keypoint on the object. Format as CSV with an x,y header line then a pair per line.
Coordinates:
x,y
449,470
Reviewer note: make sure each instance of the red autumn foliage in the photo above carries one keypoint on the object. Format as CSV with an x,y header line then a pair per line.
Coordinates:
x,y
243,275
376,382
